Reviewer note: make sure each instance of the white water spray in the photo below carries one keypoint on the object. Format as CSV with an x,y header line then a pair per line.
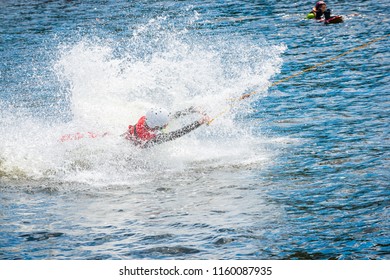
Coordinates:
x,y
108,90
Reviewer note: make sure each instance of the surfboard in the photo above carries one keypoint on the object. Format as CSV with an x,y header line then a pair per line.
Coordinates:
x,y
81,135
334,19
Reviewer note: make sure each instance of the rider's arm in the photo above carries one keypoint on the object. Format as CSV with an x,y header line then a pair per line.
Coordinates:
x,y
165,137
185,112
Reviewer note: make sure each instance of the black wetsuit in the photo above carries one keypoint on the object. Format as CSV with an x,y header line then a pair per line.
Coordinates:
x,y
319,14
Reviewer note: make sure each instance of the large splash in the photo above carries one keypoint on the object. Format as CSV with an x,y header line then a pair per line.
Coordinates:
x,y
109,84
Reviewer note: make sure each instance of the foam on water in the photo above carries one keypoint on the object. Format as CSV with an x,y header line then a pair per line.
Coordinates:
x,y
110,84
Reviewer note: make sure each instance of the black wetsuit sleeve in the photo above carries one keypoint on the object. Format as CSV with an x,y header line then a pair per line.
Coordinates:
x,y
319,14
165,137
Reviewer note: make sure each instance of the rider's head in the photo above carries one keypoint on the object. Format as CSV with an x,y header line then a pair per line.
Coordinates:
x,y
321,5
157,118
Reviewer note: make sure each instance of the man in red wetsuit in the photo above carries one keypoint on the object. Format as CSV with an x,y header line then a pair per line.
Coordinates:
x,y
147,131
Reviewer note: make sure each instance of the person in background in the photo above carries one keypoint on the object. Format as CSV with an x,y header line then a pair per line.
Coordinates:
x,y
319,11
148,132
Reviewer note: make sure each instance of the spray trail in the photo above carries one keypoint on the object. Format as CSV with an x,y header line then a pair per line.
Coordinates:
x,y
110,84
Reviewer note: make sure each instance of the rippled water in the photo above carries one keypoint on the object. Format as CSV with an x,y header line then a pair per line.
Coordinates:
x,y
298,171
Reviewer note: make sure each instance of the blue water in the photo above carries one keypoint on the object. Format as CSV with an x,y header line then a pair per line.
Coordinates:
x,y
300,170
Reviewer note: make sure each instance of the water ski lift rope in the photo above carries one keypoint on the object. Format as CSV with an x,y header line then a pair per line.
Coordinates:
x,y
236,100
